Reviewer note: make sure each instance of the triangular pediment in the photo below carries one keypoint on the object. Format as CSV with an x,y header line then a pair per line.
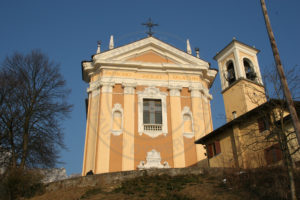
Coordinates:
x,y
150,50
149,54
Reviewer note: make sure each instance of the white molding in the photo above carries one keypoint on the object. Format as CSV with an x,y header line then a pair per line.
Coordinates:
x,y
173,85
156,83
153,160
117,108
93,86
107,87
196,93
152,93
118,58
154,44
237,66
175,91
95,92
186,111
129,88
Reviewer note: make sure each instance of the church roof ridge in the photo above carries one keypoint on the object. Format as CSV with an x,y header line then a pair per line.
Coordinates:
x,y
234,40
144,38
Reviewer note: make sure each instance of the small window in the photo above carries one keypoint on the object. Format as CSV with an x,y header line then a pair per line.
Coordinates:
x,y
250,74
273,154
263,124
234,114
213,149
152,112
230,73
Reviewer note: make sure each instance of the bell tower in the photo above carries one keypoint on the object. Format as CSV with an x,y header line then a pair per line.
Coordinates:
x,y
241,81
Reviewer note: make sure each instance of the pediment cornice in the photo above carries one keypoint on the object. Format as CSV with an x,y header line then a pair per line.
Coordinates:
x,y
121,57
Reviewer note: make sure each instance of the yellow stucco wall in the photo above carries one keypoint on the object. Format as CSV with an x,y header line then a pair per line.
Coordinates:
x,y
242,97
226,157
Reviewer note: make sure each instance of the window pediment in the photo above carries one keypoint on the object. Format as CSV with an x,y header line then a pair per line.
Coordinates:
x,y
158,126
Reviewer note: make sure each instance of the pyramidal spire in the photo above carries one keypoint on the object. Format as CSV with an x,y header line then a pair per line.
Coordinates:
x,y
98,47
188,47
111,42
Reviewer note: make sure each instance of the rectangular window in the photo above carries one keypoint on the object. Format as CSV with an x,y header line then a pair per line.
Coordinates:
x,y
213,149
273,154
263,124
152,112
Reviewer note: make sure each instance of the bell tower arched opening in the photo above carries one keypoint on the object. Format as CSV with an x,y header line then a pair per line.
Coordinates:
x,y
230,72
249,69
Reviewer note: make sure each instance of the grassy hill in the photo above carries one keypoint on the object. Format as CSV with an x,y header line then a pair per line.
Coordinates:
x,y
270,183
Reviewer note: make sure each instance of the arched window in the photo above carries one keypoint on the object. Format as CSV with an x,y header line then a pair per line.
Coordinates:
x,y
117,119
249,70
230,72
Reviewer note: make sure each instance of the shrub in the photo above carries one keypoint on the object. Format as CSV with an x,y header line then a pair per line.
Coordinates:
x,y
16,183
262,183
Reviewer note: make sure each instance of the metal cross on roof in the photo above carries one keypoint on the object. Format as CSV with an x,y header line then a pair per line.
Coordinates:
x,y
149,24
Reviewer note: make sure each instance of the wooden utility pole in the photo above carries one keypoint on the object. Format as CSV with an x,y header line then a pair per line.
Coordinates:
x,y
280,71
286,91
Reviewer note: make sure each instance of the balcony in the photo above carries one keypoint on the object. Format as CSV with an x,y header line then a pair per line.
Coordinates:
x,y
152,127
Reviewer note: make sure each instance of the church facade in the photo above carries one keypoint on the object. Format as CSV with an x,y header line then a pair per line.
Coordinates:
x,y
148,102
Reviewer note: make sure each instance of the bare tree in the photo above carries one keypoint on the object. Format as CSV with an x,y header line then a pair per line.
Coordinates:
x,y
273,117
32,106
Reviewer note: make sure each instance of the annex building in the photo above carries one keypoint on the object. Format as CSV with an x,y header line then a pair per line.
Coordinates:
x,y
148,102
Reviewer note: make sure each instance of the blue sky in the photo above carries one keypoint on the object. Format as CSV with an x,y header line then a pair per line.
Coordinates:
x,y
68,31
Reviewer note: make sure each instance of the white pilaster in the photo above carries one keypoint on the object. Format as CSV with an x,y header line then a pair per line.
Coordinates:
x,y
198,116
128,133
176,121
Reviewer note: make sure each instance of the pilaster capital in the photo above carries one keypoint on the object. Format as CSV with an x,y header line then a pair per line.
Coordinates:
x,y
129,88
95,92
196,92
93,86
174,91
107,87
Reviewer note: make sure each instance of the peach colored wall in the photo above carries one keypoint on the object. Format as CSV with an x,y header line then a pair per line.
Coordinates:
x,y
116,142
151,57
144,143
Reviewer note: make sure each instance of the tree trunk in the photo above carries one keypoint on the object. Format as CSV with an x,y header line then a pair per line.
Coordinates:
x,y
280,71
13,149
288,96
25,143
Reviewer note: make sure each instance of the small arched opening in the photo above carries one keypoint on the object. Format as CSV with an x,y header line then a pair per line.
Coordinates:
x,y
249,70
230,72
